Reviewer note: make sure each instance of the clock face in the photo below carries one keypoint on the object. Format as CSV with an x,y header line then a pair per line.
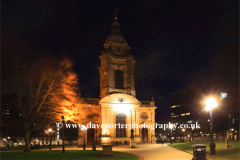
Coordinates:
x,y
118,49
120,99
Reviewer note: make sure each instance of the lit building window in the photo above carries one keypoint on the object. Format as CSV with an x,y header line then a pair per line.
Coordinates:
x,y
189,121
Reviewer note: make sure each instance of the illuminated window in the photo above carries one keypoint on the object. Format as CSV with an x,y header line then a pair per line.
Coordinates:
x,y
172,113
120,118
183,114
187,113
118,79
189,121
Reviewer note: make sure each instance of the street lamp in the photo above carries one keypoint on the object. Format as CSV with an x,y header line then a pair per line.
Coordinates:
x,y
211,103
63,148
232,137
83,129
8,141
50,133
38,142
183,134
171,126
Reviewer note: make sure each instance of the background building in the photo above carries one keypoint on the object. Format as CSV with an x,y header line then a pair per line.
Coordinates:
x,y
179,109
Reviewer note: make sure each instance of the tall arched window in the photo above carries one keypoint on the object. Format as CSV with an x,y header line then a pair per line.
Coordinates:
x,y
118,79
120,118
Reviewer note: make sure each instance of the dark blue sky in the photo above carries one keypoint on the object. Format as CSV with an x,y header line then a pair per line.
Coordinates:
x,y
171,40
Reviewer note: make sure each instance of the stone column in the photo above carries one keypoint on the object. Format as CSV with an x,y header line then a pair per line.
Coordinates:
x,y
107,121
137,132
153,131
103,115
133,119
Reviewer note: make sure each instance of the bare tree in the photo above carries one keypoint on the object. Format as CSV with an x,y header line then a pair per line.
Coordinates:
x,y
44,90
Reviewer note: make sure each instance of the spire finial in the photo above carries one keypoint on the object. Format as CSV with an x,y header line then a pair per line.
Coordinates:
x,y
115,14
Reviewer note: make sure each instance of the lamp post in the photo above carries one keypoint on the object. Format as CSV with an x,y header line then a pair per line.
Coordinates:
x,y
211,103
171,126
8,141
50,133
63,148
183,130
83,129
38,142
232,137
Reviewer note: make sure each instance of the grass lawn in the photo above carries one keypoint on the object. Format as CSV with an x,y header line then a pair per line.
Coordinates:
x,y
222,153
41,147
69,154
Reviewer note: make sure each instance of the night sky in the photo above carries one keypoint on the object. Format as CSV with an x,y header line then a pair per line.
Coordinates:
x,y
171,40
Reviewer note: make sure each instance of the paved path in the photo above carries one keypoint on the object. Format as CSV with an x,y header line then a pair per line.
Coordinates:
x,y
149,151
155,152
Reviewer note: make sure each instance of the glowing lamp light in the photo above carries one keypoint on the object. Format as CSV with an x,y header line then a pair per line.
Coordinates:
x,y
183,130
106,140
49,130
171,126
211,103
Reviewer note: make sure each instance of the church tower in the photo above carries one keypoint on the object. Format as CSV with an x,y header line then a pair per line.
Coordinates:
x,y
117,65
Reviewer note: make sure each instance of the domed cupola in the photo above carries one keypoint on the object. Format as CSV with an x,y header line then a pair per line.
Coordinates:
x,y
115,35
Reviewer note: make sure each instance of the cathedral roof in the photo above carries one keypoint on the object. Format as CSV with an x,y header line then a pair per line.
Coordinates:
x,y
116,35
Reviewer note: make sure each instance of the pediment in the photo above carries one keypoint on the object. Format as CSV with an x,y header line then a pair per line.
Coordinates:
x,y
120,98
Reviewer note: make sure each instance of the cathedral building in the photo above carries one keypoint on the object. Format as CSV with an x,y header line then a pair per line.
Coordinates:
x,y
118,103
